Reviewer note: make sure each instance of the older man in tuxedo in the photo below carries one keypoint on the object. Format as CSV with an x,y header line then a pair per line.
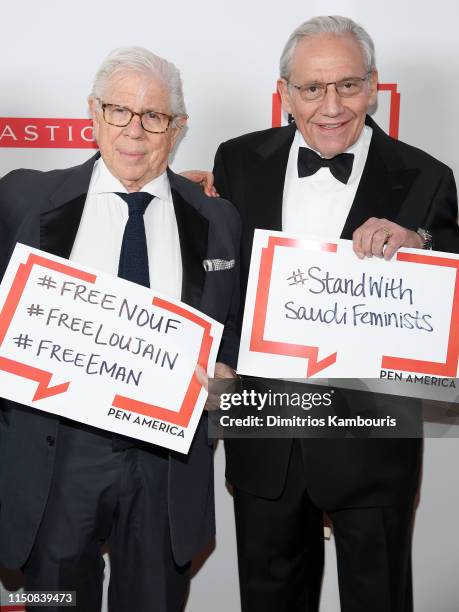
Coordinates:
x,y
333,172
66,488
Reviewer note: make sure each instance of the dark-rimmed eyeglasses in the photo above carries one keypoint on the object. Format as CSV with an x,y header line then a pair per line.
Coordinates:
x,y
121,116
346,88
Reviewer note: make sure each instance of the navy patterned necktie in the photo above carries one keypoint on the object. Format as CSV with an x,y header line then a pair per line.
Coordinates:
x,y
340,165
133,264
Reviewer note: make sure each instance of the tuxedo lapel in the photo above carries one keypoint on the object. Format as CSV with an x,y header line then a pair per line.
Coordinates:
x,y
266,185
384,185
59,224
193,231
373,194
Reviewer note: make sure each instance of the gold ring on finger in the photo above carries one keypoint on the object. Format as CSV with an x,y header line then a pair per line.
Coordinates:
x,y
387,232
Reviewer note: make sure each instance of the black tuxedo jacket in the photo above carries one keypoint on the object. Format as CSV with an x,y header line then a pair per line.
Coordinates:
x,y
43,210
399,183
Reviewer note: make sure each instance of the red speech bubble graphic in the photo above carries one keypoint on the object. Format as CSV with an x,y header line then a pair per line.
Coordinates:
x,y
449,368
257,342
260,345
7,314
181,418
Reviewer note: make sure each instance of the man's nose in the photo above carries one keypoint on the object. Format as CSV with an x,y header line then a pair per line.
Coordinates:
x,y
134,129
331,104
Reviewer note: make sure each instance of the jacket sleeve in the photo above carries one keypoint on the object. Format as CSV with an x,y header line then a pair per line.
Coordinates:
x,y
229,347
6,245
441,219
222,183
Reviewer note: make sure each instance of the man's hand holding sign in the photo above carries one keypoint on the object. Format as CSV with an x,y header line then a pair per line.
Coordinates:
x,y
383,238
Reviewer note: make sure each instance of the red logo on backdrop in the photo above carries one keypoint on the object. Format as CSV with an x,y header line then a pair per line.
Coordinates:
x,y
46,133
394,112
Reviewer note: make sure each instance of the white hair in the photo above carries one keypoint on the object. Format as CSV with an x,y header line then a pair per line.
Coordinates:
x,y
336,25
140,60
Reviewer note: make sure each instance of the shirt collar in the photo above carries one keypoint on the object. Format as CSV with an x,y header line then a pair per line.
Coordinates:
x,y
103,181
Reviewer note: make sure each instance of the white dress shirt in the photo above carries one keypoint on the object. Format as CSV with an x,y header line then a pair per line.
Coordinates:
x,y
99,236
318,205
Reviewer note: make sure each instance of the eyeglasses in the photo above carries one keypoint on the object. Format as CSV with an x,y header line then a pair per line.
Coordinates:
x,y
120,116
347,88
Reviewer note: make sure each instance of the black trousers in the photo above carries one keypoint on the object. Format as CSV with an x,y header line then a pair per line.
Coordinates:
x,y
281,551
99,495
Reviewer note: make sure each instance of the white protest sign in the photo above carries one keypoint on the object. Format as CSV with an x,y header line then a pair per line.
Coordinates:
x,y
313,309
101,350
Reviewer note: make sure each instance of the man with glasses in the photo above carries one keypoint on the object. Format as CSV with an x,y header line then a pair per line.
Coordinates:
x,y
66,488
331,173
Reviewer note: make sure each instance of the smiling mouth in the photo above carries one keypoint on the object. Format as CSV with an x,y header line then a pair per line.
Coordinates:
x,y
131,153
329,127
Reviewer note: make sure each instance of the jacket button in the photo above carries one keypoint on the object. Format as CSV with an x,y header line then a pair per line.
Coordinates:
x,y
50,440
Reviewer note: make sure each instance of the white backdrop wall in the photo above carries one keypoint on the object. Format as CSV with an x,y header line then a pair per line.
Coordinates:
x,y
228,54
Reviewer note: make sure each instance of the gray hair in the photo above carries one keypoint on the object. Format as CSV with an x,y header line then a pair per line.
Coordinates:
x,y
138,59
336,25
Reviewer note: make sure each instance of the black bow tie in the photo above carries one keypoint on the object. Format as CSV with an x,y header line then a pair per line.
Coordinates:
x,y
340,165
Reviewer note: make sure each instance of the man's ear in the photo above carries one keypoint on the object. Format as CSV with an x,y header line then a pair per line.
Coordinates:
x,y
284,92
178,124
181,121
373,87
92,106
